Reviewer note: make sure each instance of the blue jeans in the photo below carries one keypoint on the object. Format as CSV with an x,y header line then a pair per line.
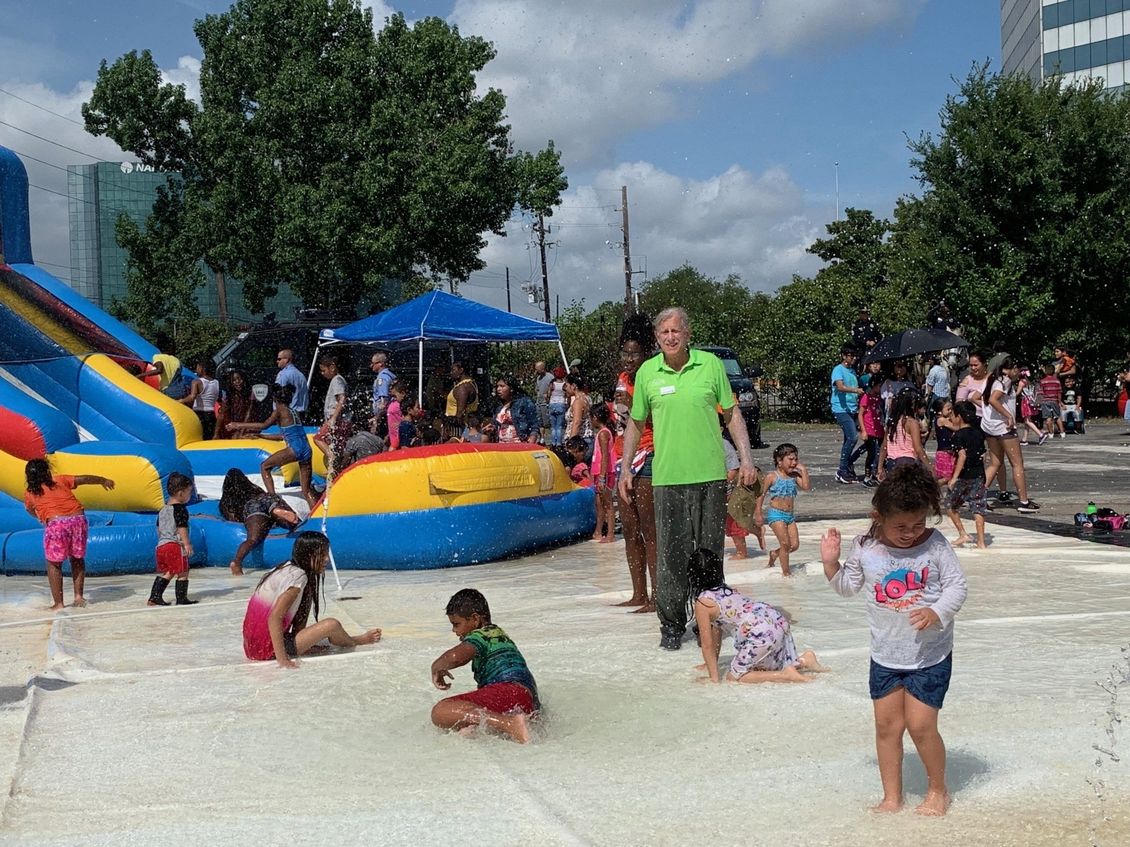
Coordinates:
x,y
557,423
848,453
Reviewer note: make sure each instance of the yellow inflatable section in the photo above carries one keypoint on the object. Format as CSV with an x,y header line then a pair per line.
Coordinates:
x,y
185,424
137,482
436,478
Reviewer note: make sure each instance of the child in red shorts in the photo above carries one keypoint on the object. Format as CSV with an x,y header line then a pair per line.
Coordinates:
x,y
49,499
507,694
173,545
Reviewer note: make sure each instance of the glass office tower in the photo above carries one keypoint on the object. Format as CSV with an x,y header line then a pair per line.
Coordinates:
x,y
98,194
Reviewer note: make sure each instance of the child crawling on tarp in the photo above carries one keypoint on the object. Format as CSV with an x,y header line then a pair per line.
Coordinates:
x,y
507,695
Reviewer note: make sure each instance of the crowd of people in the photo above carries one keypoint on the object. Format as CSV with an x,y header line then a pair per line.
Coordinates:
x,y
889,412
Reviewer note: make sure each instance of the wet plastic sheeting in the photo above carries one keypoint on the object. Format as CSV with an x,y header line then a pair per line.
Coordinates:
x,y
170,737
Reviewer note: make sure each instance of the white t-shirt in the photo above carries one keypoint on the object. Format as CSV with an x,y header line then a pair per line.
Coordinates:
x,y
336,389
992,421
287,577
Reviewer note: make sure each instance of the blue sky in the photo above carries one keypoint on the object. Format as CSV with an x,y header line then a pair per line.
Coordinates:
x,y
723,117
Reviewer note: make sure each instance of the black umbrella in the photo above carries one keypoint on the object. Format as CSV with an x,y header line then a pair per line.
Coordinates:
x,y
911,342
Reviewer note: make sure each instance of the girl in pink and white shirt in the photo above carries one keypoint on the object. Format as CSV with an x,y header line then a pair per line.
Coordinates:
x,y
274,626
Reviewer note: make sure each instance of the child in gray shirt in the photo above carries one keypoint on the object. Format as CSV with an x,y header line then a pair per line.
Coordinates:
x,y
173,545
914,588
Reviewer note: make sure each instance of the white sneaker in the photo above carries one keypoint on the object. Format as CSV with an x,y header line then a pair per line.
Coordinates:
x,y
1063,435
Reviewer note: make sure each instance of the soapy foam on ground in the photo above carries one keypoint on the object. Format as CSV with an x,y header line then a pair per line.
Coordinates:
x,y
148,726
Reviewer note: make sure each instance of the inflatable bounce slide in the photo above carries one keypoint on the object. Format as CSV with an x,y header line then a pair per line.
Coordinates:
x,y
66,393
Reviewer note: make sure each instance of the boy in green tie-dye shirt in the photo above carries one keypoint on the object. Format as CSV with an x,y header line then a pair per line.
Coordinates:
x,y
507,694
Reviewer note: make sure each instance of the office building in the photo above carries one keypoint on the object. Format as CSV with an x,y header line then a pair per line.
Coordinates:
x,y
1078,39
98,194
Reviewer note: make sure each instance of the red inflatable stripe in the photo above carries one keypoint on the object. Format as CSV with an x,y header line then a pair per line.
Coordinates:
x,y
20,437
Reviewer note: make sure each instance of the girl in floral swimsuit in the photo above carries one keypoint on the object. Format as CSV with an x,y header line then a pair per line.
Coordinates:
x,y
764,648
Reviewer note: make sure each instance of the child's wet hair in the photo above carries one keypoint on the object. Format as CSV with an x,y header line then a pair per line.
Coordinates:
x,y
177,482
601,413
704,573
282,393
965,410
474,420
308,548
783,450
38,474
466,602
908,403
575,443
908,489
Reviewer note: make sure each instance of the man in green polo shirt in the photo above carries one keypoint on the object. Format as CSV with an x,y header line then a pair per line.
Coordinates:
x,y
681,390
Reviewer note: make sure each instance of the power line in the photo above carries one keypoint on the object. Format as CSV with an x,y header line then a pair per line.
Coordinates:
x,y
67,171
49,141
43,108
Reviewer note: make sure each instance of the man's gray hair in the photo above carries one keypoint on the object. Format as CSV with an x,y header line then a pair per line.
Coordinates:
x,y
380,357
672,312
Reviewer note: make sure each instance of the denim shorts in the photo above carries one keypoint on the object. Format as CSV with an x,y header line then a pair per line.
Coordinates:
x,y
645,471
927,685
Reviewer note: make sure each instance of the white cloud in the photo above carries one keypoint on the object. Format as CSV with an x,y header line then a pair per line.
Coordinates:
x,y
589,72
48,139
754,225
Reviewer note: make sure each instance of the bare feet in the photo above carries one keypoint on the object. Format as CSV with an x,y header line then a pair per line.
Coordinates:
x,y
57,607
888,806
935,804
700,667
370,637
773,554
237,570
961,541
809,662
981,545
79,603
739,555
469,731
608,539
647,608
632,601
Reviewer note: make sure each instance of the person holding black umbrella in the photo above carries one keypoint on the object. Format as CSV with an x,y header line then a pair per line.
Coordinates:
x,y
845,405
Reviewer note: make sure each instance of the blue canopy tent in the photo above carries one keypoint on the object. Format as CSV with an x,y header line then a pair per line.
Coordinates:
x,y
439,316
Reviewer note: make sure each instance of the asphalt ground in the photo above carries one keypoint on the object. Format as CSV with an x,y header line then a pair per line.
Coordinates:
x,y
1063,476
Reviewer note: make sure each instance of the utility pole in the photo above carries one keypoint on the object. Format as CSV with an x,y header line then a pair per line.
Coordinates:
x,y
508,288
544,271
629,305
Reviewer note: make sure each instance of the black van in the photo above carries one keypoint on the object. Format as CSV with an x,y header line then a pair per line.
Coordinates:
x,y
741,383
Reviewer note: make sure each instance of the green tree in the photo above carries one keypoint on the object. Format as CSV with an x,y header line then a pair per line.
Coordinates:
x,y
800,333
721,312
1021,224
324,155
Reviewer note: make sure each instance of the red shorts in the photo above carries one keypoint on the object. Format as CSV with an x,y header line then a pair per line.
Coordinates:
x,y
171,559
501,697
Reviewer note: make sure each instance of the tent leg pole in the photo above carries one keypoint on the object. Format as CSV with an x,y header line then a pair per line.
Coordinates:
x,y
564,361
420,376
313,364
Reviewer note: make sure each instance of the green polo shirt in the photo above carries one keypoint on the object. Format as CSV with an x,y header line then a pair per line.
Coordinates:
x,y
684,414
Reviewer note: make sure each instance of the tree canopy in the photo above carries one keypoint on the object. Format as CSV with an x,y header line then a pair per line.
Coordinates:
x,y
322,154
1022,222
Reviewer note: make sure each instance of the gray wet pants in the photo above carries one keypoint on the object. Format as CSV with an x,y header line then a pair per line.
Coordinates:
x,y
687,517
